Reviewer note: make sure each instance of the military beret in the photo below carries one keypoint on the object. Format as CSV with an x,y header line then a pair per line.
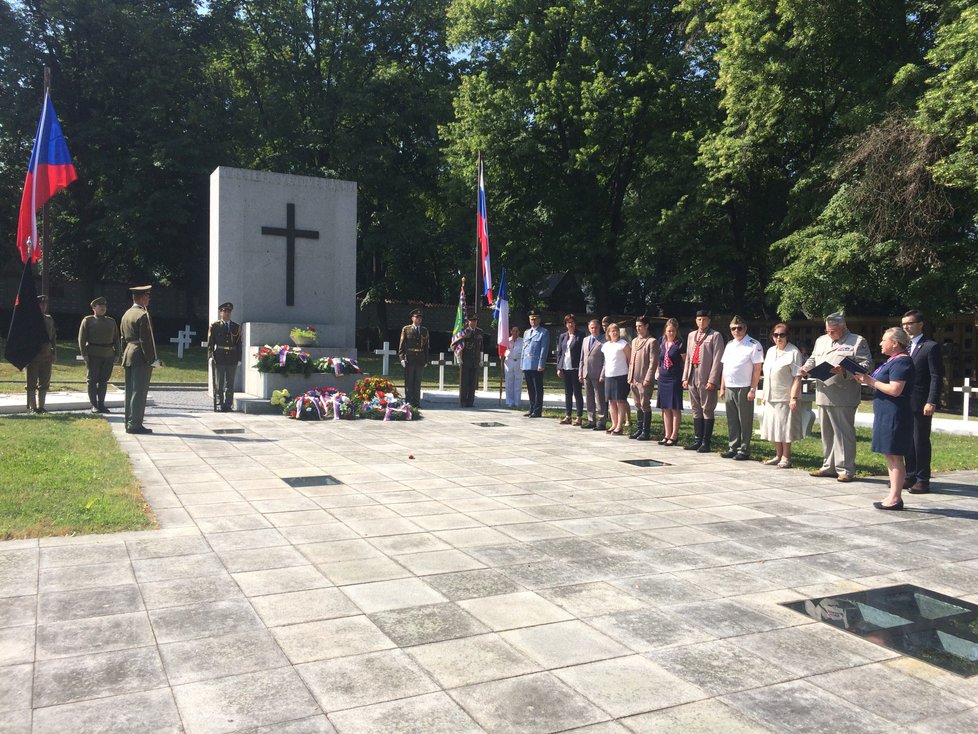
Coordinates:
x,y
226,306
100,301
704,312
417,312
139,290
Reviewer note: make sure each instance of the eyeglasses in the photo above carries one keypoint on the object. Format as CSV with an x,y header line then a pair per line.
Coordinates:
x,y
909,323
779,335
737,328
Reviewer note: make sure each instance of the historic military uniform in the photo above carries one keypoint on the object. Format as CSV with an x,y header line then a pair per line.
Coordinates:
x,y
39,368
413,352
470,359
98,340
224,348
138,358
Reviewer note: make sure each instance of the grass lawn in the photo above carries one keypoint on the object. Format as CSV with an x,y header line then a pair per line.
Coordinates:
x,y
65,475
951,452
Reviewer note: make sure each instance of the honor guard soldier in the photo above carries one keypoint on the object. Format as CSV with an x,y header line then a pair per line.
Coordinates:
x,y
470,359
224,351
138,357
39,368
413,353
98,340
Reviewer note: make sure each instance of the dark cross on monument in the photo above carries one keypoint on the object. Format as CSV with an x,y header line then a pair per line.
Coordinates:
x,y
290,233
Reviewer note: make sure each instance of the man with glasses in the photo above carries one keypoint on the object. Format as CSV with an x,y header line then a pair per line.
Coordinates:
x,y
925,391
701,376
536,342
742,360
838,397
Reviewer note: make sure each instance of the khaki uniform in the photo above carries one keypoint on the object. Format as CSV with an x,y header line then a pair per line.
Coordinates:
x,y
39,368
138,355
224,347
641,369
413,349
470,359
98,340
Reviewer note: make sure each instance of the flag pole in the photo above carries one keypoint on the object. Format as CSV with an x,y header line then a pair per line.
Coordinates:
x,y
477,298
45,237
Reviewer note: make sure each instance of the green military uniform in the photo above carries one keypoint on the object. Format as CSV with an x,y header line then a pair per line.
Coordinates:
x,y
224,347
470,359
39,368
98,340
413,353
138,356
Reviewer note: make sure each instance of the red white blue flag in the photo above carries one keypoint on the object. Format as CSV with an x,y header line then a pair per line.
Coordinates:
x,y
50,170
501,313
482,225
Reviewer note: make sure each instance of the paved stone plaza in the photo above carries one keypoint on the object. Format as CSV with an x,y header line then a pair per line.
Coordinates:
x,y
460,578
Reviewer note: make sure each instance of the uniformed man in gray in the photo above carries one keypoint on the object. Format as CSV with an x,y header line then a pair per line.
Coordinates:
x,y
39,368
413,353
138,357
224,351
838,397
98,341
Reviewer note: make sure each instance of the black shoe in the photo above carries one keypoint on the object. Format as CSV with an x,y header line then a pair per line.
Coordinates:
x,y
921,487
603,426
741,456
587,426
140,430
881,506
40,411
704,449
729,454
103,409
535,415
908,482
695,446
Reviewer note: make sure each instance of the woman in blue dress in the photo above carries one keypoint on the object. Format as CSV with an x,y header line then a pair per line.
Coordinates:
x,y
669,373
892,417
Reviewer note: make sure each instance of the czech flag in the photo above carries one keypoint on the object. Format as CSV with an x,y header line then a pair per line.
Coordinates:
x,y
501,313
49,171
482,225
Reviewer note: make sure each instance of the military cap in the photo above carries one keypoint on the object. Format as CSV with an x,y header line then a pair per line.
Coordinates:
x,y
533,314
100,301
139,290
226,306
417,312
835,318
643,319
704,312
472,317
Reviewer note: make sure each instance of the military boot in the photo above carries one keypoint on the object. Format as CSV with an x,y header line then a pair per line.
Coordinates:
x,y
697,435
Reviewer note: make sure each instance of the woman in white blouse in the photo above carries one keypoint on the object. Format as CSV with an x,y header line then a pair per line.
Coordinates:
x,y
512,367
617,354
782,417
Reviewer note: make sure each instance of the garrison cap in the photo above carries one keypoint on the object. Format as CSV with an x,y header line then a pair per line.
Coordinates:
x,y
100,301
226,306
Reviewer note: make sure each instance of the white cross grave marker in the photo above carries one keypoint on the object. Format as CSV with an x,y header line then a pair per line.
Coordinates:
x,y
182,339
386,352
486,364
441,362
966,389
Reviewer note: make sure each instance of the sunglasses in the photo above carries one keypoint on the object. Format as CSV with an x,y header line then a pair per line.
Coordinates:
x,y
736,328
779,335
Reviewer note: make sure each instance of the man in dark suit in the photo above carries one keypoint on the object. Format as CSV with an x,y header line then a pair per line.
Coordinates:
x,y
568,366
925,394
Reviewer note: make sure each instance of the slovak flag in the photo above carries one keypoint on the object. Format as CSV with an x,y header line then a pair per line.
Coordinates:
x,y
482,225
49,171
501,313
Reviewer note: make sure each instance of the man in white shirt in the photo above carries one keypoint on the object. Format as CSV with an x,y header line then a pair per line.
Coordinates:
x,y
743,358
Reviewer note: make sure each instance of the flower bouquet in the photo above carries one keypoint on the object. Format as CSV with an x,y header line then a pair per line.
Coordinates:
x,y
284,360
377,398
303,336
318,404
338,366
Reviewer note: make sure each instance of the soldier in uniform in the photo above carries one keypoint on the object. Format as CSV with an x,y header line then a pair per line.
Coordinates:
x,y
224,351
39,368
138,357
413,353
470,359
98,340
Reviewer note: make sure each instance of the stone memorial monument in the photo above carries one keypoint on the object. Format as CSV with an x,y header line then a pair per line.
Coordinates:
x,y
283,251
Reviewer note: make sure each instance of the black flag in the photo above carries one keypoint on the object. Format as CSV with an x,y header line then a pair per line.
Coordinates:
x,y
27,331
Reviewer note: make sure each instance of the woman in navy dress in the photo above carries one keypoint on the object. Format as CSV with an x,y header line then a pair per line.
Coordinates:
x,y
892,417
669,373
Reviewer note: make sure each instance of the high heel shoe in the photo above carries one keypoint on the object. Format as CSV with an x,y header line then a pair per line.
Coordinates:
x,y
662,441
668,442
619,432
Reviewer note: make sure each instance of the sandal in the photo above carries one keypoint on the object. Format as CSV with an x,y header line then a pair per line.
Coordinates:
x,y
773,462
668,442
784,464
